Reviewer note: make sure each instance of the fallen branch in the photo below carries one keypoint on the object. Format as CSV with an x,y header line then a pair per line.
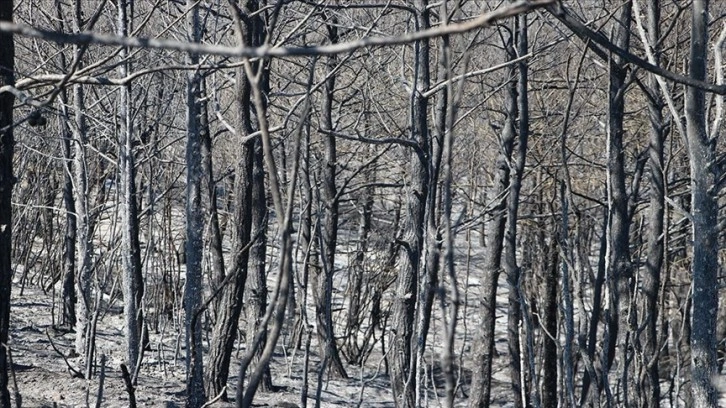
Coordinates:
x,y
73,372
215,399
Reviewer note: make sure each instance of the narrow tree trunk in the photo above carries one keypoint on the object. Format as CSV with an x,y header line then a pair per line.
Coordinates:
x,y
7,180
215,232
403,347
511,268
484,342
284,212
68,294
329,218
133,284
549,316
257,281
230,306
84,241
193,290
69,240
704,209
654,260
619,268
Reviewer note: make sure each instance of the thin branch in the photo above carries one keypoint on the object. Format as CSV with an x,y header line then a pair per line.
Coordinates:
x,y
586,33
484,20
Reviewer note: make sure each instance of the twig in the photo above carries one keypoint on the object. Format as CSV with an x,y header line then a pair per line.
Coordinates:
x,y
74,373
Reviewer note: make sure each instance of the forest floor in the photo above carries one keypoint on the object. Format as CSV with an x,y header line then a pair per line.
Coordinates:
x,y
44,379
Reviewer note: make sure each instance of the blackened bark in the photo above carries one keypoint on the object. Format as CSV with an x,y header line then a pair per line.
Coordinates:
x,y
68,294
511,268
619,267
84,222
328,217
69,239
230,306
257,279
549,319
654,260
403,349
193,290
484,343
704,209
7,181
215,232
133,283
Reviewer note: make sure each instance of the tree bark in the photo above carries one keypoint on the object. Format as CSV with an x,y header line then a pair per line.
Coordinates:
x,y
133,281
654,260
620,271
68,294
257,281
84,240
511,268
403,348
193,290
230,306
484,342
215,232
328,231
704,211
7,181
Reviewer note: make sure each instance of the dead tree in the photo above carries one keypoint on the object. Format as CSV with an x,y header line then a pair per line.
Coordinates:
x,y
7,180
403,339
230,306
84,240
193,289
133,281
328,216
68,294
704,212
511,268
654,256
484,342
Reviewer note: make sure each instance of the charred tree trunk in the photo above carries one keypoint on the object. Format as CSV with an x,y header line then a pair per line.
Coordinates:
x,y
704,210
230,306
549,319
68,294
7,181
84,244
328,218
193,290
620,273
484,342
403,341
215,232
133,281
511,268
257,280
654,260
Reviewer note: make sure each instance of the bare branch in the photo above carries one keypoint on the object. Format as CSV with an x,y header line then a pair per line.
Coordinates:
x,y
586,33
484,20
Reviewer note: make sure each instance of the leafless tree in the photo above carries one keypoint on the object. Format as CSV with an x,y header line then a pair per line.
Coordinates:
x,y
7,180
